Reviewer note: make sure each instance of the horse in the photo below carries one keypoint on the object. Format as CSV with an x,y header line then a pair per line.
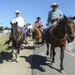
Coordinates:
x,y
17,38
29,33
37,35
56,36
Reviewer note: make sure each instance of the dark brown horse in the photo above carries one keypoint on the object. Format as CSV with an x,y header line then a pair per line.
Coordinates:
x,y
17,38
57,37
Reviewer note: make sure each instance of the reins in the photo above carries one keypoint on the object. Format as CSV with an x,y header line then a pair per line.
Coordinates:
x,y
54,36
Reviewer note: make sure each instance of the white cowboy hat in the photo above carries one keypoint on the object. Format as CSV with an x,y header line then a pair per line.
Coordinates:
x,y
17,11
54,4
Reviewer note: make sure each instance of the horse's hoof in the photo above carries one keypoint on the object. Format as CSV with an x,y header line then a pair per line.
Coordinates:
x,y
53,63
17,61
61,70
14,58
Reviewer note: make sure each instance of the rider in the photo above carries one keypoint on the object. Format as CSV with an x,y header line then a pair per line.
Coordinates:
x,y
20,22
54,15
38,22
18,19
53,18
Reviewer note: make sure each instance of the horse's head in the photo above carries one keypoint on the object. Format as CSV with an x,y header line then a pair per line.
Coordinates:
x,y
13,29
69,27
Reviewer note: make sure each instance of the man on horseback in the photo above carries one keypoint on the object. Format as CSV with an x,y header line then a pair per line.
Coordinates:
x,y
38,22
54,15
20,23
53,18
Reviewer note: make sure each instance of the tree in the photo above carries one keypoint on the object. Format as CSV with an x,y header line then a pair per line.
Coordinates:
x,y
7,28
1,27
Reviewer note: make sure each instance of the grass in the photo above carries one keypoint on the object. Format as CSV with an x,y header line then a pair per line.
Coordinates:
x,y
3,47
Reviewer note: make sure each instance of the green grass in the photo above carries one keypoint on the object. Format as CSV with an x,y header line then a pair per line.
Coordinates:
x,y
3,47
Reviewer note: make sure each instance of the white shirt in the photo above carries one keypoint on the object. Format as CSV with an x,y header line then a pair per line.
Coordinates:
x,y
19,20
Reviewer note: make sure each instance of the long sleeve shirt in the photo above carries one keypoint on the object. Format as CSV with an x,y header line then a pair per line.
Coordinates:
x,y
53,15
39,23
19,20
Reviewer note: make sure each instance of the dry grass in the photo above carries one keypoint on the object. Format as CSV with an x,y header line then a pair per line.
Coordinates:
x,y
3,47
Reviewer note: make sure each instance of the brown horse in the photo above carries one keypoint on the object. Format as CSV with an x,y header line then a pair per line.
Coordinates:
x,y
57,37
17,38
37,36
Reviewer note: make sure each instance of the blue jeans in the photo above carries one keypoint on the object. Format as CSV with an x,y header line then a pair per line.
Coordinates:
x,y
24,31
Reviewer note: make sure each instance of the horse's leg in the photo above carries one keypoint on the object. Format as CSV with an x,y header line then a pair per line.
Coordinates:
x,y
47,49
53,53
18,53
14,53
61,57
33,35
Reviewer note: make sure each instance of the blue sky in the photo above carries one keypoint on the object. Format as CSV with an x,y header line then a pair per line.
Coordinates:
x,y
30,9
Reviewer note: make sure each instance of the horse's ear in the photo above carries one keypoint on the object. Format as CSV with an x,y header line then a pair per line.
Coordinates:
x,y
10,22
16,23
65,17
73,18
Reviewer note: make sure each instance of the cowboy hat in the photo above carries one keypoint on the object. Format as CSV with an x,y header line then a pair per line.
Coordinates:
x,y
17,12
54,5
38,18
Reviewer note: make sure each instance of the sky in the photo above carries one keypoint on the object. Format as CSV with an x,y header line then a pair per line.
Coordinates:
x,y
31,9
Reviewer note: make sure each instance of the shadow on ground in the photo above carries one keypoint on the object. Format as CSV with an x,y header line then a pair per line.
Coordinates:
x,y
5,56
38,62
27,47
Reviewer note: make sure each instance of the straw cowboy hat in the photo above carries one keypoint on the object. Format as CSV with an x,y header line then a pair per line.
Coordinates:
x,y
17,12
38,18
54,5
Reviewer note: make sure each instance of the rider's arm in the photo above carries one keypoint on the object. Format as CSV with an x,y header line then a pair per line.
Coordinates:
x,y
49,18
